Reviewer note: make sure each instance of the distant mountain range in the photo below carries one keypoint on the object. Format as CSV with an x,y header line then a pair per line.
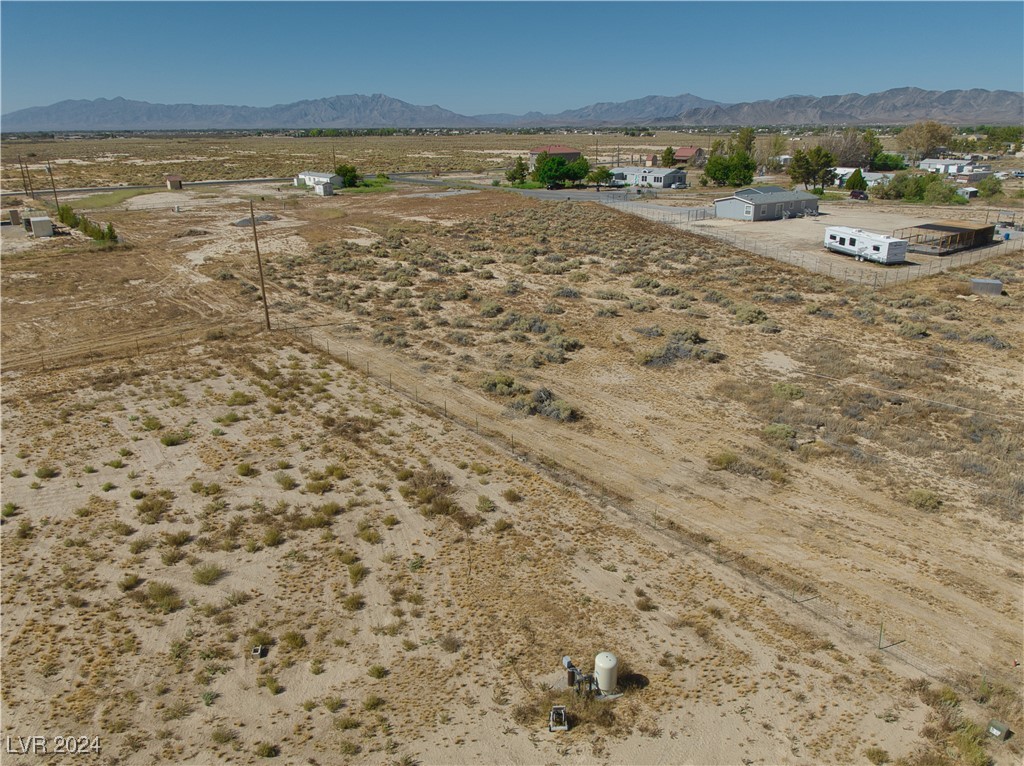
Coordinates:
x,y
893,107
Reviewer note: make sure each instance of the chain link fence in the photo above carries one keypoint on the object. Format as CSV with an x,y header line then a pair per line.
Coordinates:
x,y
864,275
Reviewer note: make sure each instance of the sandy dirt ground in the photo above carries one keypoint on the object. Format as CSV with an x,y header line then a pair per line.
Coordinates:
x,y
743,518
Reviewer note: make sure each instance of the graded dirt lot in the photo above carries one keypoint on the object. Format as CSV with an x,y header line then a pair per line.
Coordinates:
x,y
484,433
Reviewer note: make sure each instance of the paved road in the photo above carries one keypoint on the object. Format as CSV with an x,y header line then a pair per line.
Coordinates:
x,y
47,193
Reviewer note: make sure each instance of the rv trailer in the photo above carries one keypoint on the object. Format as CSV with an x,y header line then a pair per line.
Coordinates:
x,y
865,245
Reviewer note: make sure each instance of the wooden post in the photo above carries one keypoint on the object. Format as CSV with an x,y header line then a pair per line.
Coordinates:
x,y
24,175
53,186
880,626
259,265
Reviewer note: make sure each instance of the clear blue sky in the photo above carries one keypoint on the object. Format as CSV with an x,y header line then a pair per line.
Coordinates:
x,y
481,57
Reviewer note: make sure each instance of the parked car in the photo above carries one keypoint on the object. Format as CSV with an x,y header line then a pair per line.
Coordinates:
x,y
858,194
555,186
678,186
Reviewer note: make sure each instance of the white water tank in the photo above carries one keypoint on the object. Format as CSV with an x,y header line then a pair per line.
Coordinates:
x,y
606,669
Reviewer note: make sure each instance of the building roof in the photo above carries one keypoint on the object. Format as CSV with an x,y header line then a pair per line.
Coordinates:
x,y
555,149
686,152
769,194
648,171
311,174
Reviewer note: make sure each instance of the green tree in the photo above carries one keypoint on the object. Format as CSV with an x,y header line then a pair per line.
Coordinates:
x,y
518,172
800,168
741,169
717,169
736,169
349,175
922,139
600,176
577,170
668,157
989,187
873,144
856,181
767,155
884,161
550,169
745,141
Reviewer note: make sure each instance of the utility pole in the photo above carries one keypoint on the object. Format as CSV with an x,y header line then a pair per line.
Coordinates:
x,y
259,264
31,191
24,180
53,186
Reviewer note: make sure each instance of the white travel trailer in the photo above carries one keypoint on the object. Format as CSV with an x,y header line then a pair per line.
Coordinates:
x,y
865,245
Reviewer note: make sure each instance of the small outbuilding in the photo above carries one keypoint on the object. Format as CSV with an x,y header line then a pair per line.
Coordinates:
x,y
324,189
173,182
766,203
969,192
41,227
945,237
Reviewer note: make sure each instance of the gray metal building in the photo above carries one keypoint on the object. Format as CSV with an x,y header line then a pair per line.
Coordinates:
x,y
767,203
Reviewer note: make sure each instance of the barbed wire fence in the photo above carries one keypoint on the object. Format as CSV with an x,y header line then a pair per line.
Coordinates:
x,y
887,639
866,274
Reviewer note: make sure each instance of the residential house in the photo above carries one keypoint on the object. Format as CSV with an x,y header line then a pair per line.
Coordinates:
x,y
309,178
661,178
873,179
554,150
689,155
766,203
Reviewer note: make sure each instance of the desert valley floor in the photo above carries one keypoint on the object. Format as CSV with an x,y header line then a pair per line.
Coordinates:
x,y
486,432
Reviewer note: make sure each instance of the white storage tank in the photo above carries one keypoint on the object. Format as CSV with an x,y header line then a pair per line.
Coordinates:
x,y
606,669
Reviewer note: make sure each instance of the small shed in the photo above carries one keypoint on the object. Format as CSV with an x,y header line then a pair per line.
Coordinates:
x,y
15,217
986,287
325,189
41,227
970,192
173,182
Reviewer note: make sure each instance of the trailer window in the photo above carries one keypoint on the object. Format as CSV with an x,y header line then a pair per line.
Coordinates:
x,y
876,248
832,237
842,240
852,241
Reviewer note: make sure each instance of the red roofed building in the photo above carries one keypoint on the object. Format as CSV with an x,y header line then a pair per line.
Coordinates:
x,y
554,150
689,155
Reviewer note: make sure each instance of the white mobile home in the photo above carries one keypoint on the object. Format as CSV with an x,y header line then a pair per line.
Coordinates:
x,y
661,178
865,245
309,178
